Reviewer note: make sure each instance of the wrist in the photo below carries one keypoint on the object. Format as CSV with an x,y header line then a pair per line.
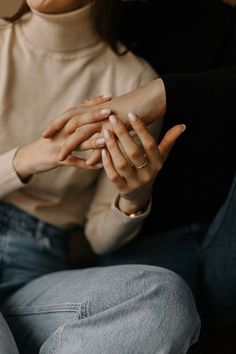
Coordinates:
x,y
130,208
20,164
157,99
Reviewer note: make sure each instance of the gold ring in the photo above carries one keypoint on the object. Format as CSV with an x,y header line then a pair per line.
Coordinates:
x,y
143,165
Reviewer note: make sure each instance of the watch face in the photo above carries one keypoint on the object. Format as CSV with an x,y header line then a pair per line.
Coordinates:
x,y
9,8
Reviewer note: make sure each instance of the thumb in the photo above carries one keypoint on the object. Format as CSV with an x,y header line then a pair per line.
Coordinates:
x,y
169,140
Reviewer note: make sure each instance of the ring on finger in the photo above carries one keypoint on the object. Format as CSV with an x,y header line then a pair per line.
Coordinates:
x,y
143,165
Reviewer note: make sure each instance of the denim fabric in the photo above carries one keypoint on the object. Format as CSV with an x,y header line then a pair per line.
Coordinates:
x,y
132,309
204,255
29,248
7,343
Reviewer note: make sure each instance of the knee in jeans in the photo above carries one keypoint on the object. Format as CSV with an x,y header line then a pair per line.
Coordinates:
x,y
169,293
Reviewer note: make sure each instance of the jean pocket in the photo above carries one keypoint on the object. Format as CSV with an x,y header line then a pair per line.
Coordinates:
x,y
44,323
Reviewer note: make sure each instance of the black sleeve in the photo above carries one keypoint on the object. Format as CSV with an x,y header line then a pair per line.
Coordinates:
x,y
211,94
192,45
181,36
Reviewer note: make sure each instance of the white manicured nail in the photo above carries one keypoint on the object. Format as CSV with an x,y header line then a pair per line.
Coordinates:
x,y
132,117
98,166
113,119
105,112
100,141
184,127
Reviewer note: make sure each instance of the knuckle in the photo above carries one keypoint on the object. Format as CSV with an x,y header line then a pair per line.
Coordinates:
x,y
114,178
56,124
122,165
111,143
120,130
71,110
72,125
81,133
151,145
96,113
135,153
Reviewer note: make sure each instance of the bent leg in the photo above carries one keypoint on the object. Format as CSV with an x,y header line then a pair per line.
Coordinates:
x,y
176,250
7,343
123,309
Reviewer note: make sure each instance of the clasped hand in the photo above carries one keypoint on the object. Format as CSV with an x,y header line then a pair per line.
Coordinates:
x,y
131,167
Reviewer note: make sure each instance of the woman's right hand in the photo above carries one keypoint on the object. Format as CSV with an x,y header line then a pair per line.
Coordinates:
x,y
42,155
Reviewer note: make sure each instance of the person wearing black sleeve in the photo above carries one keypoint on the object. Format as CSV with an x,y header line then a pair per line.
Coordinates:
x,y
191,229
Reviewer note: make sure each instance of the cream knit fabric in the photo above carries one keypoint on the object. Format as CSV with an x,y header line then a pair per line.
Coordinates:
x,y
48,64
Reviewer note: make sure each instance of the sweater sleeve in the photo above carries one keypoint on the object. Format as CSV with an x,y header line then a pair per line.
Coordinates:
x,y
107,228
207,95
9,180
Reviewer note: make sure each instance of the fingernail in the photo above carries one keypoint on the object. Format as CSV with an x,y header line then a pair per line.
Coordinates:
x,y
104,153
184,127
132,117
113,119
100,141
105,112
108,95
98,166
107,133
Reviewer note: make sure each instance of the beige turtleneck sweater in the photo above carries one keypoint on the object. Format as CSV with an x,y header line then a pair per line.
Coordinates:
x,y
48,64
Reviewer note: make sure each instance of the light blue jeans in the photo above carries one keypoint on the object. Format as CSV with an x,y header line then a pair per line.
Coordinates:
x,y
203,255
119,309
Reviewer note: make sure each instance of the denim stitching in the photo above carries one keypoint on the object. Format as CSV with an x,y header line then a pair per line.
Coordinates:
x,y
57,341
36,310
83,311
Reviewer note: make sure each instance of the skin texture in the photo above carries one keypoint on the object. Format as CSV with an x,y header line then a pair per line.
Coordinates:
x,y
134,185
148,102
122,165
56,6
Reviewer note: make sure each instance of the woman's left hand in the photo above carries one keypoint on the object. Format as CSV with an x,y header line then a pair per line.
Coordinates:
x,y
134,170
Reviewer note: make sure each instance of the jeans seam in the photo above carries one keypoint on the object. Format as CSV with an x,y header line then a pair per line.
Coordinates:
x,y
37,310
81,315
56,341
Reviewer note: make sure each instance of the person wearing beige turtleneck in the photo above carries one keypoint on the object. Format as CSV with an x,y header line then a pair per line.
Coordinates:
x,y
51,59
50,63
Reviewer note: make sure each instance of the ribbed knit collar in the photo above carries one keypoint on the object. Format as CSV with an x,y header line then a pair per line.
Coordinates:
x,y
60,33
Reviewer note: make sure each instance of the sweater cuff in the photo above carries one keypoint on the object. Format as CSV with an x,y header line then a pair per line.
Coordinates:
x,y
124,218
9,180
